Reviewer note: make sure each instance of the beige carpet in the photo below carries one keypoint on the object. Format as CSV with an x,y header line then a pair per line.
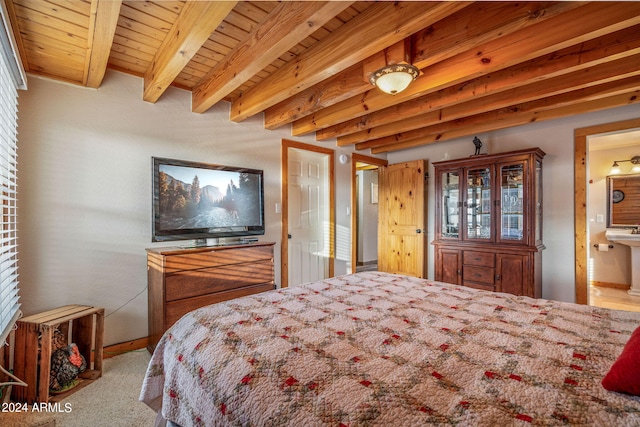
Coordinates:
x,y
111,400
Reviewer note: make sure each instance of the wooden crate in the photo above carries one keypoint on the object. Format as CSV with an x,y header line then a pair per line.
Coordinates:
x,y
81,324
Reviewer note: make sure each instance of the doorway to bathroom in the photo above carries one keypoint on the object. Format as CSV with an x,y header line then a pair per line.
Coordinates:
x,y
603,270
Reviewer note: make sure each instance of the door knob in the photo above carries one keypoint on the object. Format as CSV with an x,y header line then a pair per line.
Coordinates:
x,y
420,231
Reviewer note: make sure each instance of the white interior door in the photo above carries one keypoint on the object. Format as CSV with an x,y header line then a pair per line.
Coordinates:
x,y
308,216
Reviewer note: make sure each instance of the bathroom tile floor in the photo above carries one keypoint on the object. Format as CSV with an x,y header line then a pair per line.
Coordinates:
x,y
618,299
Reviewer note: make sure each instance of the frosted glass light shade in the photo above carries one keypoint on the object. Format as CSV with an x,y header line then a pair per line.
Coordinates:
x,y
615,169
395,78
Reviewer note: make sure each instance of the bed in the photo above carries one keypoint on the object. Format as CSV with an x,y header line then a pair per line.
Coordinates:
x,y
378,349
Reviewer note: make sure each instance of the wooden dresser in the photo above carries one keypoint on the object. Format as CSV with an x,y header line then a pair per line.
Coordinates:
x,y
489,222
181,280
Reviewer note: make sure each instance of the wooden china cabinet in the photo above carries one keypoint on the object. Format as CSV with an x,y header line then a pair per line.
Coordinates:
x,y
489,222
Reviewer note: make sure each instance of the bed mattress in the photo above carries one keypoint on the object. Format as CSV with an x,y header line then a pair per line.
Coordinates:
x,y
378,349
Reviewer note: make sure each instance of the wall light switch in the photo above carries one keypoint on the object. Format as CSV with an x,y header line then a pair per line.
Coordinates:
x,y
348,211
599,218
278,208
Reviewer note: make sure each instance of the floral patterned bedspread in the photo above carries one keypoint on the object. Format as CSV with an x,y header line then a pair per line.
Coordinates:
x,y
377,349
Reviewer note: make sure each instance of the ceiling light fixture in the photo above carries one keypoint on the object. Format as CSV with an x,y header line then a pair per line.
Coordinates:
x,y
635,161
393,79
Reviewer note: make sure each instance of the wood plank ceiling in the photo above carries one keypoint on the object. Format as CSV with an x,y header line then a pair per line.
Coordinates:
x,y
484,65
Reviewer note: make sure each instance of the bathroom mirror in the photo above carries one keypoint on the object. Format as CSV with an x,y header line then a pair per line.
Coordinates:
x,y
623,196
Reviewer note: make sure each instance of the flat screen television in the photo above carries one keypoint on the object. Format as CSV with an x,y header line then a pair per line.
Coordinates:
x,y
193,200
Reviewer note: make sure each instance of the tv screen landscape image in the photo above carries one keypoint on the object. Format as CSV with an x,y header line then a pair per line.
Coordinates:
x,y
194,200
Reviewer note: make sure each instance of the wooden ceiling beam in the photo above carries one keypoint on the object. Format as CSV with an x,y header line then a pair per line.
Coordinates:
x,y
596,19
526,95
102,28
287,25
591,53
609,71
518,120
379,26
450,36
194,25
341,86
608,95
479,24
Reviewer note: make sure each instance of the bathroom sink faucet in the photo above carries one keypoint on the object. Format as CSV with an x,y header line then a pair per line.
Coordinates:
x,y
635,230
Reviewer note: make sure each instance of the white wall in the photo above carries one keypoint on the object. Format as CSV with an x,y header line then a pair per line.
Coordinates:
x,y
84,178
368,218
556,138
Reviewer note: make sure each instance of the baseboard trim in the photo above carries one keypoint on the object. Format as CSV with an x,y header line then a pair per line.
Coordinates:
x,y
610,285
125,347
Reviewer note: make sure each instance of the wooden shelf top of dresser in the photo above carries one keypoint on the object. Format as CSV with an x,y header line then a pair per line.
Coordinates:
x,y
180,250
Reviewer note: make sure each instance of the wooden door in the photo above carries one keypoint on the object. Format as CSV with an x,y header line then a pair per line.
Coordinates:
x,y
402,190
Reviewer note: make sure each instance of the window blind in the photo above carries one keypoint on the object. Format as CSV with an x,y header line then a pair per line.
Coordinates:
x,y
9,82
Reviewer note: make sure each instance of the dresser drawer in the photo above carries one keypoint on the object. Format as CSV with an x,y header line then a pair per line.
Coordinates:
x,y
480,286
187,284
484,275
196,261
175,310
483,259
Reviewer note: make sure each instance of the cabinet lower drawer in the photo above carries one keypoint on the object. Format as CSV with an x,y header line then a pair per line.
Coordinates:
x,y
482,286
186,284
176,309
483,275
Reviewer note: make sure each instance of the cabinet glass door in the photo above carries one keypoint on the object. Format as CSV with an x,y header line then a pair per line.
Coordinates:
x,y
538,201
478,204
451,204
511,202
